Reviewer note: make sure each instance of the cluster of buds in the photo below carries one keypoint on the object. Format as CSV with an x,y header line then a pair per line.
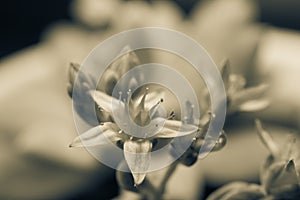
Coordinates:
x,y
279,175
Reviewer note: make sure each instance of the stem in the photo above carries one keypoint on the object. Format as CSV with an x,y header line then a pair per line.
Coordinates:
x,y
166,178
150,192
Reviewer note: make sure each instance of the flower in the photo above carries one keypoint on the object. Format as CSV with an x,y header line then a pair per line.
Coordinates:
x,y
116,116
136,149
239,98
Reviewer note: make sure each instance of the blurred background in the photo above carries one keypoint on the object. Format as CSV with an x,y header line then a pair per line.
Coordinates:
x,y
22,23
38,39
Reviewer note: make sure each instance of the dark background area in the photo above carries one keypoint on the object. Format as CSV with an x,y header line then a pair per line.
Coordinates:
x,y
22,22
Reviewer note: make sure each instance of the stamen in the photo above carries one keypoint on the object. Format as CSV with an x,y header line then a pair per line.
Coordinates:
x,y
142,103
128,95
154,108
172,115
120,96
190,112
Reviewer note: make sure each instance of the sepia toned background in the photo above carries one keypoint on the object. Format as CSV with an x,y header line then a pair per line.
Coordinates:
x,y
38,40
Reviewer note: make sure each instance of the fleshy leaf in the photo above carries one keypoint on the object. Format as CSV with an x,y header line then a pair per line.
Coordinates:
x,y
287,177
249,192
235,189
137,155
98,135
266,139
272,174
289,191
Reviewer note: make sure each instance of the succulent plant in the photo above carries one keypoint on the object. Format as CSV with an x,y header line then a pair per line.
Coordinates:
x,y
279,176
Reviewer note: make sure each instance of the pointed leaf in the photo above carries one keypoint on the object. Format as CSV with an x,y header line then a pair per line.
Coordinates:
x,y
249,192
235,189
137,155
98,135
266,139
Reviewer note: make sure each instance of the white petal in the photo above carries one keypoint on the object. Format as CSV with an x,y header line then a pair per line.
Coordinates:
x,y
105,101
174,128
254,105
251,93
98,135
225,71
137,155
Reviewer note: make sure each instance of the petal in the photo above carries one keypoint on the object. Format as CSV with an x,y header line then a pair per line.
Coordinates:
x,y
266,139
291,171
106,102
225,72
288,176
254,105
137,155
98,135
272,174
236,84
108,81
81,101
72,74
174,128
287,153
127,60
251,93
